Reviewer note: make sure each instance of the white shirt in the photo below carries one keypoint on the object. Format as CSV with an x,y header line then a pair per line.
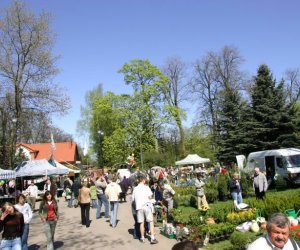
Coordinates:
x,y
26,211
168,192
261,243
112,191
141,195
33,191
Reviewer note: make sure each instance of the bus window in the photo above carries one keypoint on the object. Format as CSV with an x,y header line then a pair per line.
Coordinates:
x,y
279,162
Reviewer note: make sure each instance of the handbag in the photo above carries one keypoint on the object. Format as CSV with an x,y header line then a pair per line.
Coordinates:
x,y
75,202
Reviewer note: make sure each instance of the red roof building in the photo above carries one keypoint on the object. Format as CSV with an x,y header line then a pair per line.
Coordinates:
x,y
65,152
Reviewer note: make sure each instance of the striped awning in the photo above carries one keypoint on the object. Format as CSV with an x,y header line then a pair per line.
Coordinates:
x,y
7,174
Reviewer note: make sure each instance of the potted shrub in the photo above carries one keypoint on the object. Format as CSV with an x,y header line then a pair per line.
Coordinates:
x,y
211,190
223,183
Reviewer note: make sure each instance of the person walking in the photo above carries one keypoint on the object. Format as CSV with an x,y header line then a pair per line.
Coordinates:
x,y
75,191
51,186
112,192
25,209
32,191
260,184
84,200
48,212
101,185
93,191
124,184
141,195
68,193
11,223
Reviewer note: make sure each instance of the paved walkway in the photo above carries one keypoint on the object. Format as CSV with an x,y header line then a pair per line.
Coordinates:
x,y
70,234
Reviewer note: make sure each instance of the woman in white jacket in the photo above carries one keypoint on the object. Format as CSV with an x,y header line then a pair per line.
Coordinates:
x,y
25,209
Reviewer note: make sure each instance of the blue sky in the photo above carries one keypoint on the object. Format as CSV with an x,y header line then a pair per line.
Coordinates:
x,y
95,38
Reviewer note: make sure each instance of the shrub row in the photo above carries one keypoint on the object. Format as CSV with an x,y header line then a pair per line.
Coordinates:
x,y
273,203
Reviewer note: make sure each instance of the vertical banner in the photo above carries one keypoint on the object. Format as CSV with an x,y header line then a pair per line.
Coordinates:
x,y
240,159
53,147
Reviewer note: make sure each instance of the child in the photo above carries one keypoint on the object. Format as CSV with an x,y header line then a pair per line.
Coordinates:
x,y
93,191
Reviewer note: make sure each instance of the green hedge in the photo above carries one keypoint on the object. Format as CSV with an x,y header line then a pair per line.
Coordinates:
x,y
185,215
273,203
240,240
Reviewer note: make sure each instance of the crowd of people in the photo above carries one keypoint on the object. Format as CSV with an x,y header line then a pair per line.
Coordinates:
x,y
151,192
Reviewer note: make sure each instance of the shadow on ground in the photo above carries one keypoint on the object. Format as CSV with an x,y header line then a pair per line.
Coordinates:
x,y
76,237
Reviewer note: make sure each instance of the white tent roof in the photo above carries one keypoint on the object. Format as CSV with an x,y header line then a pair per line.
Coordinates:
x,y
7,174
38,168
192,159
61,166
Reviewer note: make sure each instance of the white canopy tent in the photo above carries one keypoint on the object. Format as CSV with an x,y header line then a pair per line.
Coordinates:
x,y
7,174
61,166
192,159
38,168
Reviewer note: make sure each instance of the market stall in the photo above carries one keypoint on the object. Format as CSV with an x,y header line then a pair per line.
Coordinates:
x,y
192,159
38,168
7,177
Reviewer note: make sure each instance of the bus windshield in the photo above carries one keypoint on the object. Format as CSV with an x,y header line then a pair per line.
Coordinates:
x,y
294,160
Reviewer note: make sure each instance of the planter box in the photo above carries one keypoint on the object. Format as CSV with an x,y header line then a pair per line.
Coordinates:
x,y
170,236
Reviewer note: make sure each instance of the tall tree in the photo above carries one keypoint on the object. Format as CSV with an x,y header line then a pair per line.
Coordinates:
x,y
292,80
207,90
27,66
37,128
175,94
85,125
110,114
147,82
230,125
216,76
268,106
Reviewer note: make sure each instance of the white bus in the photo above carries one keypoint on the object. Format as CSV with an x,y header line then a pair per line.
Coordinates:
x,y
284,162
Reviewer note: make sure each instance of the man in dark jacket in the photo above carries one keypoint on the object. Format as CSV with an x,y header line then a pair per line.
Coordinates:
x,y
75,190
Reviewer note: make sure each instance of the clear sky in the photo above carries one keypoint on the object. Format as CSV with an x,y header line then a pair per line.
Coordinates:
x,y
95,38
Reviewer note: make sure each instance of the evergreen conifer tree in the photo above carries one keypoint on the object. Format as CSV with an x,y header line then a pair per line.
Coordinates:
x,y
272,121
230,126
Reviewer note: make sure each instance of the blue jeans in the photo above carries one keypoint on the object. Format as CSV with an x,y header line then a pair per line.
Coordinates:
x,y
237,197
24,237
102,199
11,244
94,203
114,205
70,202
49,230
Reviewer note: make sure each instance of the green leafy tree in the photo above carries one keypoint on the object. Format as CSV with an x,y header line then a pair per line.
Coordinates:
x,y
147,109
199,141
107,127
